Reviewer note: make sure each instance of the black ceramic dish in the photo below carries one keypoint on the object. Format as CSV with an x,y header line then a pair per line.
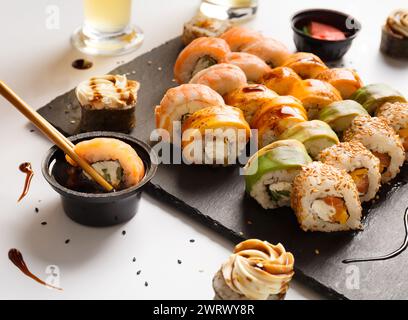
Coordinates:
x,y
101,209
325,49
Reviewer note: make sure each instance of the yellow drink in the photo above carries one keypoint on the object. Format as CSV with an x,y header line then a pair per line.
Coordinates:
x,y
234,3
229,9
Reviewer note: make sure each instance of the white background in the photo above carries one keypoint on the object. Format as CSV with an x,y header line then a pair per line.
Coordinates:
x,y
97,263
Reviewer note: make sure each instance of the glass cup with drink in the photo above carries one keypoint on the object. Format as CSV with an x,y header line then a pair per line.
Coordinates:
x,y
229,9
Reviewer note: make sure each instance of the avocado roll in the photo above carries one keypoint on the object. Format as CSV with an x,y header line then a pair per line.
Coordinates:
x,y
377,136
360,164
347,81
270,172
326,199
316,136
340,114
281,80
373,96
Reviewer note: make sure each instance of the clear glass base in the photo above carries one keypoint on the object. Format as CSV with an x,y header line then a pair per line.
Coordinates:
x,y
91,42
223,12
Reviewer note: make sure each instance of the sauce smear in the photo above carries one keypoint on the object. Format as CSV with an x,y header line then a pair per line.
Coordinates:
x,y
28,170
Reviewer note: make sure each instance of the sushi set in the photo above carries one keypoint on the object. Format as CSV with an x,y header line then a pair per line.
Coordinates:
x,y
327,179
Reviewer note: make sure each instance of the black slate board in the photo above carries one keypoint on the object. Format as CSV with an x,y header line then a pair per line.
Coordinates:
x,y
216,197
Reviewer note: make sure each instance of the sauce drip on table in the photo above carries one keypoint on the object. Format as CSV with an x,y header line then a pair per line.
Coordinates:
x,y
82,64
28,170
16,257
392,255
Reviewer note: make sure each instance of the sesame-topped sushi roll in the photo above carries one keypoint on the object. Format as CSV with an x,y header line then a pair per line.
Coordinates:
x,y
249,99
238,37
254,68
305,64
180,102
396,115
270,172
359,163
347,81
377,136
257,270
223,78
198,55
276,116
108,103
326,199
215,136
281,80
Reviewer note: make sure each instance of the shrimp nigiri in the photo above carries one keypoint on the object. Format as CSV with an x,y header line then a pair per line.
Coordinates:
x,y
255,68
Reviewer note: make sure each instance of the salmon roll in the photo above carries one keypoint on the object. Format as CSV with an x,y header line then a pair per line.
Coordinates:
x,y
180,102
340,114
239,37
254,68
396,115
315,95
223,78
316,136
305,64
270,172
249,99
272,51
378,137
113,159
257,270
326,199
281,80
215,136
360,164
198,55
346,81
276,116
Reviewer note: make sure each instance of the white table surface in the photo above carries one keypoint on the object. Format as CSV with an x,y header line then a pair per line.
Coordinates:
x,y
97,263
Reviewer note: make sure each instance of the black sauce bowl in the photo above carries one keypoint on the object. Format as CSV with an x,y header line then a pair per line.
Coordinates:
x,y
101,209
325,49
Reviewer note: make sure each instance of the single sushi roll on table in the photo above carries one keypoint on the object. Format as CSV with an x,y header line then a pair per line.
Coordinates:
x,y
326,199
270,172
305,64
377,136
180,102
315,95
116,161
254,68
257,270
198,55
276,116
360,164
396,115
108,103
223,78
281,80
347,81
249,99
203,26
373,96
394,40
238,37
316,136
215,136
340,114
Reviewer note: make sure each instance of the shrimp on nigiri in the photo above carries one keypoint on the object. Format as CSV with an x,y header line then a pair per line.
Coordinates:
x,y
255,68
239,37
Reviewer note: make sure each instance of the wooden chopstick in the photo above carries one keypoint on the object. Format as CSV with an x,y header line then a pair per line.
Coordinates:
x,y
53,134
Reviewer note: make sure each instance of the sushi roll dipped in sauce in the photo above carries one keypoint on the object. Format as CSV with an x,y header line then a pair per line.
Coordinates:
x,y
377,136
114,159
198,55
180,102
316,136
396,115
223,78
315,95
347,81
340,114
281,80
257,270
108,103
238,37
305,64
276,116
254,68
249,99
215,136
326,199
270,172
360,164
373,96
